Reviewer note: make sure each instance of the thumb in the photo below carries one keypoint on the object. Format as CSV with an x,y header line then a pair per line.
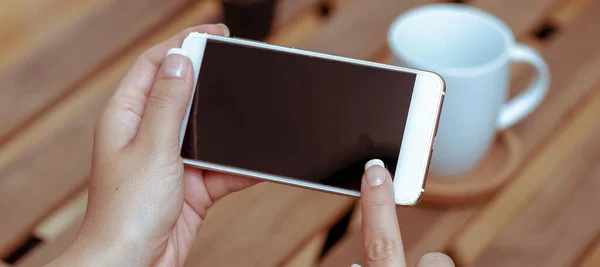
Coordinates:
x,y
167,102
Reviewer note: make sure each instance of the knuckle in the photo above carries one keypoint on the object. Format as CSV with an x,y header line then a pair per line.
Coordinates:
x,y
155,154
143,56
382,248
130,105
169,94
161,100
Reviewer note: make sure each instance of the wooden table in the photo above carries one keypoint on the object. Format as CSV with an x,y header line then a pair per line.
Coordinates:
x,y
61,60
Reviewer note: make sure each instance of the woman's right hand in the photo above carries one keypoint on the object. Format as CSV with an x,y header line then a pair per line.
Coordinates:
x,y
381,232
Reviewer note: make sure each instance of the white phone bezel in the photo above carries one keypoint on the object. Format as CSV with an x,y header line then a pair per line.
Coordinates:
x,y
417,142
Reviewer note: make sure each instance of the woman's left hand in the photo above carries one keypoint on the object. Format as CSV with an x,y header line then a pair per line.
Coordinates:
x,y
144,207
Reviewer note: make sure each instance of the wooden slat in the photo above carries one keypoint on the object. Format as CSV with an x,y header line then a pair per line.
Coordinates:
x,y
264,225
57,231
337,3
356,220
359,29
471,243
576,70
51,169
51,158
289,10
308,256
55,224
52,69
293,33
439,234
592,257
347,251
37,78
25,24
565,11
52,249
558,217
306,21
521,16
568,11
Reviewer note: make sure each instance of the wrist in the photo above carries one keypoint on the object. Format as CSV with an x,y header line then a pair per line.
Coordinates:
x,y
105,250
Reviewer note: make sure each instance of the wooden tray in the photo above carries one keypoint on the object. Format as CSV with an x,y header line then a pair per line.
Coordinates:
x,y
481,183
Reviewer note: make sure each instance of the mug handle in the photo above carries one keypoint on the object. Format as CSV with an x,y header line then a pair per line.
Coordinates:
x,y
527,101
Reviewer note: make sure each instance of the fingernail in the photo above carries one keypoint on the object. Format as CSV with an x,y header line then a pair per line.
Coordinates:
x,y
175,64
436,259
225,29
375,175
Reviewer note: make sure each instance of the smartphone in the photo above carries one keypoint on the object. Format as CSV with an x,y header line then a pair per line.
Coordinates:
x,y
308,119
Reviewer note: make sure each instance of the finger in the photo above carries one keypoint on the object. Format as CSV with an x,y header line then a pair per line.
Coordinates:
x,y
124,111
219,184
203,188
167,103
435,259
381,233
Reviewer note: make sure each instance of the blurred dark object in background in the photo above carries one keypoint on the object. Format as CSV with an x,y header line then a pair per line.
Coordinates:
x,y
251,19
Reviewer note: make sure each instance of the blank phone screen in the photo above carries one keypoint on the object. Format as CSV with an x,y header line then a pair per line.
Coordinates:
x,y
296,116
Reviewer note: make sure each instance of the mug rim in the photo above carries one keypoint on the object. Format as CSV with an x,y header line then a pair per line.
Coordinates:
x,y
484,17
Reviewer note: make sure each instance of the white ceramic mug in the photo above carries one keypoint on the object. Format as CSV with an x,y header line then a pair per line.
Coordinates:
x,y
472,50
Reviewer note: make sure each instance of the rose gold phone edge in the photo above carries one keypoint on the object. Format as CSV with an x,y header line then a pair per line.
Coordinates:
x,y
417,142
